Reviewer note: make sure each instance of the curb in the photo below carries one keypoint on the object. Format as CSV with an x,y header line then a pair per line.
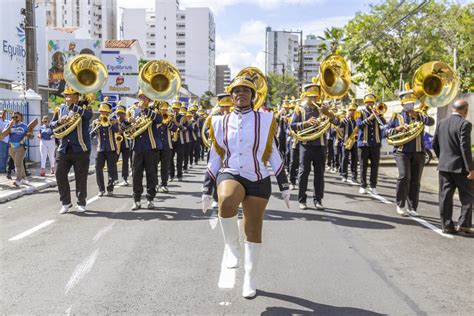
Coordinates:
x,y
39,186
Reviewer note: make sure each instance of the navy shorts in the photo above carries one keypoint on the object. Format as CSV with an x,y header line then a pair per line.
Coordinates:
x,y
261,188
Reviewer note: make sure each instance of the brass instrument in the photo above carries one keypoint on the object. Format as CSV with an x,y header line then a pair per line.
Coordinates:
x,y
85,74
379,110
260,82
334,78
350,141
159,80
435,84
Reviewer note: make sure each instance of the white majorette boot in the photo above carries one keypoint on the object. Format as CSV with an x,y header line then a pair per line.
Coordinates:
x,y
252,251
230,230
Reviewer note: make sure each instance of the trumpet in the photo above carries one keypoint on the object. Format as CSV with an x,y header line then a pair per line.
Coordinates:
x,y
379,110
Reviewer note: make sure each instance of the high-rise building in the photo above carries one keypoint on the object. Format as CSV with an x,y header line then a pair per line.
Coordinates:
x,y
222,78
98,17
281,49
185,37
311,58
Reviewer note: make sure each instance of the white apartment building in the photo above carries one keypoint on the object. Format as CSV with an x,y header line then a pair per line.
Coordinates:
x,y
281,52
185,37
98,17
311,58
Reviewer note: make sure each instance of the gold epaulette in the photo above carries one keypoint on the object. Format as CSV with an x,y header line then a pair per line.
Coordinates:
x,y
219,150
269,146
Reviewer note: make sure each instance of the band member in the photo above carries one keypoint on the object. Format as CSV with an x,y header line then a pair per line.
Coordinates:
x,y
196,136
410,157
186,137
123,147
349,150
368,143
242,143
165,132
105,130
47,146
224,101
452,144
144,147
282,121
179,140
74,150
330,136
202,115
311,152
192,131
293,149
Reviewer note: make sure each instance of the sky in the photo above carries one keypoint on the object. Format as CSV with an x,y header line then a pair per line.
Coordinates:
x,y
241,24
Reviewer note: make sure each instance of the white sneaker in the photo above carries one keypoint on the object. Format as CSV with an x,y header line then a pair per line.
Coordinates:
x,y
373,191
165,189
136,206
352,182
362,190
318,205
402,211
65,208
344,179
413,213
293,187
214,204
333,170
100,194
81,208
303,206
150,205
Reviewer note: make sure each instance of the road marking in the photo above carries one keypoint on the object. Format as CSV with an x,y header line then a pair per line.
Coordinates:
x,y
227,276
213,220
416,219
102,232
81,270
68,311
92,199
225,303
380,198
32,230
432,227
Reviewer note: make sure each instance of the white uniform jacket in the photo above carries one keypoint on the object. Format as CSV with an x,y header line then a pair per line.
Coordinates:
x,y
243,142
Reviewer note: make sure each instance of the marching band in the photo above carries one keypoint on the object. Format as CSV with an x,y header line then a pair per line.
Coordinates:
x,y
240,140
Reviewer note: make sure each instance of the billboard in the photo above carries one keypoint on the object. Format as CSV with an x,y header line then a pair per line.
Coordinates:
x,y
120,63
60,52
12,42
121,84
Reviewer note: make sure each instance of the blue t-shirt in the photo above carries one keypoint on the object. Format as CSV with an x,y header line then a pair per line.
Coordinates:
x,y
17,134
46,132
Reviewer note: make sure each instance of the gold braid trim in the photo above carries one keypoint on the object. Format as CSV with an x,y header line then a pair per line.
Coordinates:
x,y
269,145
219,150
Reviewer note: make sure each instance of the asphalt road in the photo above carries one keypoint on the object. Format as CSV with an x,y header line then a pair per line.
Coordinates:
x,y
358,257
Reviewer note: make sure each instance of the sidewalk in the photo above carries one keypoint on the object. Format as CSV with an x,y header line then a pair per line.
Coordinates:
x,y
8,191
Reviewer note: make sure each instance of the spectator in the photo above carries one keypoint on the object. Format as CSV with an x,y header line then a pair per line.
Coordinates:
x,y
3,142
17,131
47,145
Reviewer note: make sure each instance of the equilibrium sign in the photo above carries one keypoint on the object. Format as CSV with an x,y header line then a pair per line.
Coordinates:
x,y
121,84
120,63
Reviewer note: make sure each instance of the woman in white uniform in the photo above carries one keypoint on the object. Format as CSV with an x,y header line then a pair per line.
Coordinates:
x,y
243,142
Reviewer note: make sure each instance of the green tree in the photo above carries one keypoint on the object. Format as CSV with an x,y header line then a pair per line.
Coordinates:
x,y
280,86
391,41
206,99
332,41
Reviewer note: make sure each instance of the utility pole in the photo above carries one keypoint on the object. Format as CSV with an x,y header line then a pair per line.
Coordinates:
x,y
300,70
30,33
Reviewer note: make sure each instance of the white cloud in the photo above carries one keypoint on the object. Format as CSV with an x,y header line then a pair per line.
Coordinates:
x,y
243,48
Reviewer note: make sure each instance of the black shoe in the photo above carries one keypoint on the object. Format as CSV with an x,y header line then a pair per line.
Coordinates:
x,y
9,176
449,230
467,230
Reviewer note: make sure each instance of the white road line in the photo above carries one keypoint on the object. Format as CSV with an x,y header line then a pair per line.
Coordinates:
x,y
102,232
92,199
416,219
227,276
81,270
213,220
68,311
32,230
432,227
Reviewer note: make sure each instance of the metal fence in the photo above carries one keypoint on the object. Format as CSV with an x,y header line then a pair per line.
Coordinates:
x,y
18,106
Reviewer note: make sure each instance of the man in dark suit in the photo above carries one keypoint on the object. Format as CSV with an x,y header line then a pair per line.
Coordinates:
x,y
452,145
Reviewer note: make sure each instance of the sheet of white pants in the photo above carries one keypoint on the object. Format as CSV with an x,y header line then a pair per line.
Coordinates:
x,y
47,150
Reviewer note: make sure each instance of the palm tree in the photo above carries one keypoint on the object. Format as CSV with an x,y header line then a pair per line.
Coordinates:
x,y
332,41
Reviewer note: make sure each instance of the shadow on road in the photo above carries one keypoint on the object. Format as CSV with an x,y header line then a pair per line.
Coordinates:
x,y
312,308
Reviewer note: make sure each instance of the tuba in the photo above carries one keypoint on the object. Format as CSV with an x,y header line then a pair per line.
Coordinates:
x,y
335,79
86,74
435,84
262,89
159,80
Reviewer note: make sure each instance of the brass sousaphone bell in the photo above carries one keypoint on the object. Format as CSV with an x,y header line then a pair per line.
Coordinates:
x,y
159,80
435,84
85,74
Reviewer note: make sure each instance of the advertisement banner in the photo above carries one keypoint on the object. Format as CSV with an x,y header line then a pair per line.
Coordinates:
x,y
121,84
120,63
60,52
12,43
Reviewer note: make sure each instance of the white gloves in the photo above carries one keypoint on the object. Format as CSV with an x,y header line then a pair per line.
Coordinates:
x,y
285,194
206,202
